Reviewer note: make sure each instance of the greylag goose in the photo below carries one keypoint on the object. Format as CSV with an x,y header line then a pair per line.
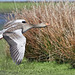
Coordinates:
x,y
13,34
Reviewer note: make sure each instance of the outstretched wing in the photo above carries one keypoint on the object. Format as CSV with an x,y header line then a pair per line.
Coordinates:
x,y
17,42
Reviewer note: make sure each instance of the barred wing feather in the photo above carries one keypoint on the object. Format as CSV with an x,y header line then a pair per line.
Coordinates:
x,y
17,42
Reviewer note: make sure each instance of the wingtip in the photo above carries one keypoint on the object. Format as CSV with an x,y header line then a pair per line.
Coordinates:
x,y
18,62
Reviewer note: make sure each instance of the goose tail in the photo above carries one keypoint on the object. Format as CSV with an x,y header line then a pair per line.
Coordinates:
x,y
1,35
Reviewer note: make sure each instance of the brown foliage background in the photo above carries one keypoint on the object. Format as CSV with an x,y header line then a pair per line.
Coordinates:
x,y
55,42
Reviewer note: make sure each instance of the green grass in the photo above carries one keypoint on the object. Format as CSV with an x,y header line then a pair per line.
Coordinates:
x,y
10,6
7,67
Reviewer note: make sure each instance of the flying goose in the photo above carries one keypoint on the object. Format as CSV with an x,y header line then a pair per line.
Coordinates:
x,y
13,34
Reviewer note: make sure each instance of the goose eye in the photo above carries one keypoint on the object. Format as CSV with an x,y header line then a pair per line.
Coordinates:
x,y
23,21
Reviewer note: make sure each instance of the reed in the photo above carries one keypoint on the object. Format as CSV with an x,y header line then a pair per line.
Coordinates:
x,y
57,41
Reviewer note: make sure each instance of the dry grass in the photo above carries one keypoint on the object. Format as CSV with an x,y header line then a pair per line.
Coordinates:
x,y
57,41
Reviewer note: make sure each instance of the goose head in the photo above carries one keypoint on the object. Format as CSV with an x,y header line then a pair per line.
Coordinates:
x,y
31,25
26,26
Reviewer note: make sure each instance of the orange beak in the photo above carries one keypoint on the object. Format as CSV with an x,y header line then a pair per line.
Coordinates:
x,y
47,24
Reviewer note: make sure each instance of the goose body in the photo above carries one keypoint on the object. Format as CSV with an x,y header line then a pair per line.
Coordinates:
x,y
13,34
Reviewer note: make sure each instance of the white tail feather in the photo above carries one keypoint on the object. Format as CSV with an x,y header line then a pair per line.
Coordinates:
x,y
1,34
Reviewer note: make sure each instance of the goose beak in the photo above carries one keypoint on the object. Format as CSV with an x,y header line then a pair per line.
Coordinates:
x,y
47,24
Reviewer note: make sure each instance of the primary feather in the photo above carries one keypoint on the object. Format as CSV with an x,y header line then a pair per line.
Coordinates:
x,y
17,45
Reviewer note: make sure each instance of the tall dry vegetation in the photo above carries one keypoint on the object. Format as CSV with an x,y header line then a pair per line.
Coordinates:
x,y
55,42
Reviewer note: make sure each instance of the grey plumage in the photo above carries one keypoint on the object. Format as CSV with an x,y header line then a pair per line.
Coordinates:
x,y
12,33
17,54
